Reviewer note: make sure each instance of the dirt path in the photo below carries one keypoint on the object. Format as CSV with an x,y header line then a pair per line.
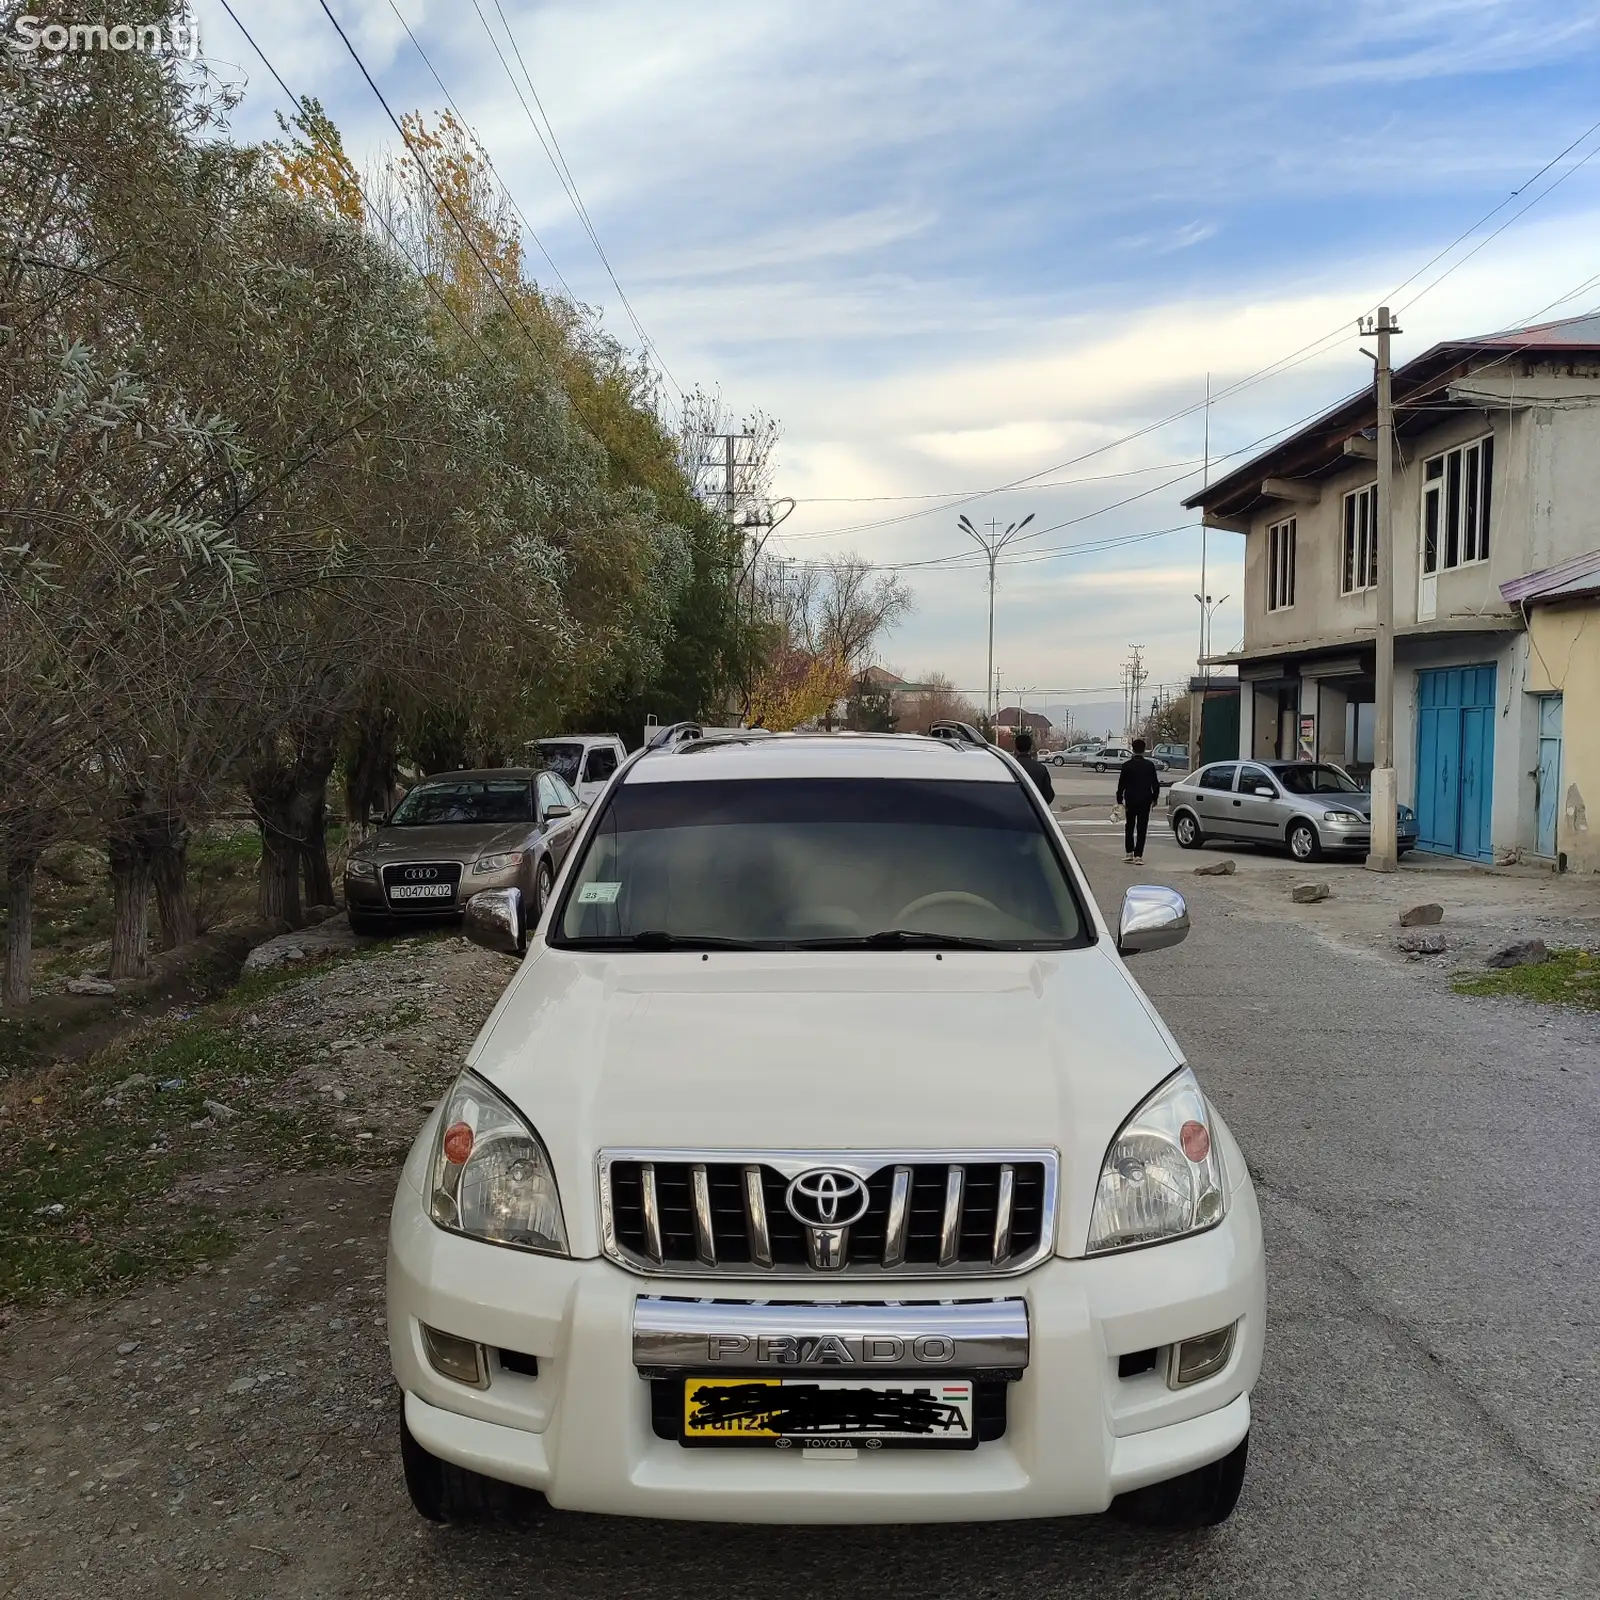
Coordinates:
x,y
227,1433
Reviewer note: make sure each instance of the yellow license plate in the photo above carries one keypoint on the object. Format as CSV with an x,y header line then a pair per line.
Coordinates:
x,y
936,1411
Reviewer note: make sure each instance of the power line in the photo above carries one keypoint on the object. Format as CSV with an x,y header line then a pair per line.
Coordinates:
x,y
1306,352
450,100
563,172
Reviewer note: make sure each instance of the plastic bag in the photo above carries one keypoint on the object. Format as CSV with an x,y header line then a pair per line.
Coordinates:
x,y
1118,814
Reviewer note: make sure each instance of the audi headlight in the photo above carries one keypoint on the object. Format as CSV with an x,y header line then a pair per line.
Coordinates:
x,y
491,1177
1343,819
500,863
1162,1176
355,867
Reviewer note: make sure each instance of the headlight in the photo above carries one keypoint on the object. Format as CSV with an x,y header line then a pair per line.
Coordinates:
x,y
491,1178
357,868
1163,1175
1407,814
1343,819
500,863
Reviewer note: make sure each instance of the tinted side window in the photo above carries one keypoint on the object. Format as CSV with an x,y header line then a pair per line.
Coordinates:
x,y
1217,777
602,762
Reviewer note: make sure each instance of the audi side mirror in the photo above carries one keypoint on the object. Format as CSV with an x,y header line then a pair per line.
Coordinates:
x,y
556,813
494,920
1152,918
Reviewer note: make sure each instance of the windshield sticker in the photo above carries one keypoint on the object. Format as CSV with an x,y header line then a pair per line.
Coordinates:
x,y
599,894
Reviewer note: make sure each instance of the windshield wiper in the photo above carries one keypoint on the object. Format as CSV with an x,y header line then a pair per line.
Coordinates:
x,y
657,939
903,939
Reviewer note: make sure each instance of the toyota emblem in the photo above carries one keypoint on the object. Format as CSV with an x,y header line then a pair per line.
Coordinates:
x,y
827,1197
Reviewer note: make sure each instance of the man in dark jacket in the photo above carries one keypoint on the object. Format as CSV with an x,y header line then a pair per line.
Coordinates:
x,y
1033,766
1138,788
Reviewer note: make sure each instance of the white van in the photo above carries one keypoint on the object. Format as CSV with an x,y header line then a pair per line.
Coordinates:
x,y
586,761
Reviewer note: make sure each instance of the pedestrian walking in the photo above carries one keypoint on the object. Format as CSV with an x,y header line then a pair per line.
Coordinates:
x,y
1138,788
1033,766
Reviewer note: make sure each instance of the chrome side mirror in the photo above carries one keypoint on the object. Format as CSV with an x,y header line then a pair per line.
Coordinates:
x,y
1152,918
494,920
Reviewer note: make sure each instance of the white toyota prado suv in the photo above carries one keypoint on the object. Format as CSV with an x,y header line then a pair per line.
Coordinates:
x,y
823,1163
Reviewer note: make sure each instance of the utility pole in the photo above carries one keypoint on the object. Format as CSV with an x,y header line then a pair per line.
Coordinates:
x,y
1196,715
991,547
1383,855
1137,677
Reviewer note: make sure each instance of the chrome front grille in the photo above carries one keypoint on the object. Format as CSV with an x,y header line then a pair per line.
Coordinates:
x,y
923,1214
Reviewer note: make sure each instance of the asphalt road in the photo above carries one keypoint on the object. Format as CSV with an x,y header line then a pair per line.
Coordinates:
x,y
1426,1423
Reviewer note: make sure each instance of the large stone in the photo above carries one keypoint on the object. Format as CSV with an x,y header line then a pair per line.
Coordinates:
x,y
1305,894
89,984
1421,916
1217,869
1421,944
1520,953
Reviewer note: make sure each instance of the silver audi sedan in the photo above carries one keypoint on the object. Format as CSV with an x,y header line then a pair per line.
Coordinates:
x,y
1309,808
457,834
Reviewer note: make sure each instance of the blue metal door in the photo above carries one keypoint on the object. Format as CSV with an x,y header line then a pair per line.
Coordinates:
x,y
1549,792
1455,760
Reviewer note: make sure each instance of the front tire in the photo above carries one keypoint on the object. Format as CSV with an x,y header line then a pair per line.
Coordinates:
x,y
443,1492
1186,829
1099,766
1199,1499
1304,845
544,880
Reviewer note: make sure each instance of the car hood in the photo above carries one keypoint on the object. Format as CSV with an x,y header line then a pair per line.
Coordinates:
x,y
895,1051
451,839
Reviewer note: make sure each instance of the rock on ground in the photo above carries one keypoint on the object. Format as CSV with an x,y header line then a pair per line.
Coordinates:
x,y
1305,894
1218,869
1424,916
1421,944
325,939
1519,953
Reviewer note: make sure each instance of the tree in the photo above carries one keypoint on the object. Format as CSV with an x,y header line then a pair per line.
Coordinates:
x,y
933,700
870,708
1168,723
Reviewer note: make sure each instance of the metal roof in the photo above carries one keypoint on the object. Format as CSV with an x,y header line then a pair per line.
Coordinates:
x,y
1564,581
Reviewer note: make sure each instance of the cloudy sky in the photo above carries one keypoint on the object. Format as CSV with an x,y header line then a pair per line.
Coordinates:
x,y
983,257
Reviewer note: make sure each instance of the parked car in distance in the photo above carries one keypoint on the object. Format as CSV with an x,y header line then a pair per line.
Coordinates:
x,y
1109,756
584,761
1174,757
686,1219
1309,808
1076,755
457,834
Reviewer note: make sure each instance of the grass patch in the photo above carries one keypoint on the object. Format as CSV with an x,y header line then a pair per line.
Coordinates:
x,y
88,1199
1568,978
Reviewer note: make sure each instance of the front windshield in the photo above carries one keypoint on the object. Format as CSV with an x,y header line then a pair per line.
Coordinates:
x,y
562,758
501,800
790,862
1318,779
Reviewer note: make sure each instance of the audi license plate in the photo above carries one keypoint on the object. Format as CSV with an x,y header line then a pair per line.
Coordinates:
x,y
421,891
822,1411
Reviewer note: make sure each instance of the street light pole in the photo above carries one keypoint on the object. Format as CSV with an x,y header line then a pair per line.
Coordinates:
x,y
991,547
1384,855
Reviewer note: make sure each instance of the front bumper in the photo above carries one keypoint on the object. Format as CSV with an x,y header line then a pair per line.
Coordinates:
x,y
1077,1434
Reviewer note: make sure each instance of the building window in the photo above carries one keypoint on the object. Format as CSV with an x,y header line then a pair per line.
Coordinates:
x,y
1280,566
1456,492
1359,566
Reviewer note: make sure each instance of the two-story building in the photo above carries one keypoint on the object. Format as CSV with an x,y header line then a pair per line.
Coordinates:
x,y
1496,475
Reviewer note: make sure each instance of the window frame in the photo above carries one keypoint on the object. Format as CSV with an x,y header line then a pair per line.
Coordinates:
x,y
1282,538
1458,492
1358,540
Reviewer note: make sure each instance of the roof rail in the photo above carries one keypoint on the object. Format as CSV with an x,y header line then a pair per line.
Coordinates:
x,y
674,733
958,733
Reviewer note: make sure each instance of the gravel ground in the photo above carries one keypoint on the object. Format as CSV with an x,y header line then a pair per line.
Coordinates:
x,y
1425,1424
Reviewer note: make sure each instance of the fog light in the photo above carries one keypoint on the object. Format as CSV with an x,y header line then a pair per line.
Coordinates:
x,y
1195,1359
455,1358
